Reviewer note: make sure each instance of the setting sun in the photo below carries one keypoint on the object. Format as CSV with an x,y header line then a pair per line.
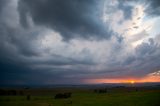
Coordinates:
x,y
132,82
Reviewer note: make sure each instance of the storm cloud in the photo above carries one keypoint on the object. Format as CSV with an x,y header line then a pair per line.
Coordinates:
x,y
58,42
153,8
72,18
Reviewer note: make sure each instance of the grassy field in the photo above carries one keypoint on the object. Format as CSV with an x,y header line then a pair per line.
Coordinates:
x,y
81,97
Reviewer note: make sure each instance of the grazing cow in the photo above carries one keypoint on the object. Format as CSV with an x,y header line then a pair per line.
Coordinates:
x,y
69,102
62,95
103,91
28,97
100,90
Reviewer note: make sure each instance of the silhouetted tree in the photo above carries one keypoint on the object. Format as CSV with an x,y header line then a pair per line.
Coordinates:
x,y
12,92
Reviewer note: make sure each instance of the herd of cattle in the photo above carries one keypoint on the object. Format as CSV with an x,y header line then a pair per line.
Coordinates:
x,y
57,96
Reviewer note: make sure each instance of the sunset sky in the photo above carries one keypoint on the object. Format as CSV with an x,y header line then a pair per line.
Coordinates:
x,y
79,41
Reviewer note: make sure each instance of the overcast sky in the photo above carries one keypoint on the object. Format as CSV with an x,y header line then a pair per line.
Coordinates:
x,y
79,41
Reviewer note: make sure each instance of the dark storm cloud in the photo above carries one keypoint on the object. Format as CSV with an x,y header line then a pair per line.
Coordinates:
x,y
20,74
3,3
17,53
72,18
11,73
58,60
153,8
24,61
127,9
14,40
18,40
145,59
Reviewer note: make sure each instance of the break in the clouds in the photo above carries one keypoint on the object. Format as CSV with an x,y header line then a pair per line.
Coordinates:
x,y
73,41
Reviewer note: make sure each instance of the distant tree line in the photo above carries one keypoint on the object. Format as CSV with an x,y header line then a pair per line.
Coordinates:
x,y
10,92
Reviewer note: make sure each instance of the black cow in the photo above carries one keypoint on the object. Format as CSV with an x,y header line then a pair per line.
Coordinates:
x,y
62,95
100,90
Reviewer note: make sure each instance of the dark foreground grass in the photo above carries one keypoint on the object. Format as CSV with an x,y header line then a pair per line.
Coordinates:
x,y
140,98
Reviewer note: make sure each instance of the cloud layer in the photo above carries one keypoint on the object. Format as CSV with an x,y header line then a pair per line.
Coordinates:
x,y
54,41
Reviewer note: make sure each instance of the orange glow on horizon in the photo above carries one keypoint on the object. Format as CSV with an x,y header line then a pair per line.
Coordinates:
x,y
125,80
132,82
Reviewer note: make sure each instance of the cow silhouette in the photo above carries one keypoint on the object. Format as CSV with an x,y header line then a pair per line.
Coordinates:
x,y
63,95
